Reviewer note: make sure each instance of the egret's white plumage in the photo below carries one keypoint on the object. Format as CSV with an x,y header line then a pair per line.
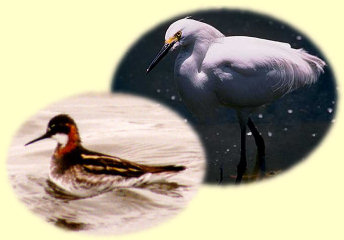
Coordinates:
x,y
212,71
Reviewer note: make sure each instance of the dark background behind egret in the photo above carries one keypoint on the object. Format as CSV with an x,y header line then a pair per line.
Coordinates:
x,y
291,126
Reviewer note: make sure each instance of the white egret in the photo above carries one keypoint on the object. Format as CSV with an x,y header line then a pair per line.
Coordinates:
x,y
213,71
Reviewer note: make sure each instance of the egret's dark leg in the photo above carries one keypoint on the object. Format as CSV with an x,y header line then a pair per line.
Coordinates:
x,y
260,146
221,173
241,168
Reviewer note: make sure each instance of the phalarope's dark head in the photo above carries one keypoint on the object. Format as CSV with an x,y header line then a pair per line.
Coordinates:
x,y
62,128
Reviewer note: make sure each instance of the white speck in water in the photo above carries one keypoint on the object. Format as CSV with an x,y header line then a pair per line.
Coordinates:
x,y
290,111
173,97
235,145
185,120
269,134
158,90
298,37
330,110
249,133
314,134
227,150
333,102
260,115
285,129
217,134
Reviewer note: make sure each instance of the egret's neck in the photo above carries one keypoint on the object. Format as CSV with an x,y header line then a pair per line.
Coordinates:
x,y
193,55
188,67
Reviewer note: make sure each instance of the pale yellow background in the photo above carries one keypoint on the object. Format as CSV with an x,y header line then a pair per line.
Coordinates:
x,y
50,50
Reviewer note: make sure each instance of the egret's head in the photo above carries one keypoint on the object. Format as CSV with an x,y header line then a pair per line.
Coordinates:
x,y
61,128
186,31
183,32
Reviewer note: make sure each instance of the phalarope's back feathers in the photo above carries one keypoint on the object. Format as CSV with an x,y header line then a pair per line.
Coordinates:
x,y
98,163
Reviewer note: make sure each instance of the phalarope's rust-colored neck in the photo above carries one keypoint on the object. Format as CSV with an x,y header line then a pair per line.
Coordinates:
x,y
83,173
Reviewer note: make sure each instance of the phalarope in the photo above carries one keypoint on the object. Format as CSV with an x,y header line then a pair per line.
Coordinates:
x,y
83,173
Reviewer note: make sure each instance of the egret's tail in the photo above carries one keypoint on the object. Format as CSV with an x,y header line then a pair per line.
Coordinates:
x,y
299,70
317,65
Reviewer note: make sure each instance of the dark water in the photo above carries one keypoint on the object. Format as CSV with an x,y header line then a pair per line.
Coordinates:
x,y
291,126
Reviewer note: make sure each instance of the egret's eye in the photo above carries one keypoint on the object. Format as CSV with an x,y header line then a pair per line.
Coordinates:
x,y
178,34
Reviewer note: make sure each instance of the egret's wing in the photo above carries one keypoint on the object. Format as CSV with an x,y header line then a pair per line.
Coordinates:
x,y
260,58
245,54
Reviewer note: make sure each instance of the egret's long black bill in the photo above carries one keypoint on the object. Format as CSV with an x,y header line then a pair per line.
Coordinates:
x,y
44,136
160,55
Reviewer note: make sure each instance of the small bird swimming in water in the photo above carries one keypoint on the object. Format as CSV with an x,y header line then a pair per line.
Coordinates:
x,y
84,173
214,72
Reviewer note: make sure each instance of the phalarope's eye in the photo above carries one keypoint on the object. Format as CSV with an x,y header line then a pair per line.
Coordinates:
x,y
178,34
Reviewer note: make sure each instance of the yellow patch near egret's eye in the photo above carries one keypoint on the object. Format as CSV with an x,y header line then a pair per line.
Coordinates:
x,y
175,38
171,40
